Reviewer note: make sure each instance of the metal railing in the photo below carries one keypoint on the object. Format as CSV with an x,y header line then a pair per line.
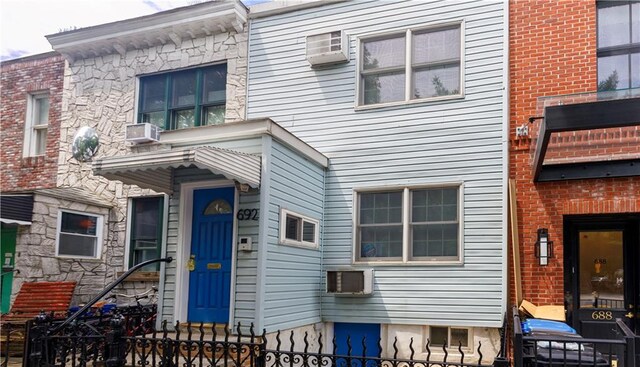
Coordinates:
x,y
565,350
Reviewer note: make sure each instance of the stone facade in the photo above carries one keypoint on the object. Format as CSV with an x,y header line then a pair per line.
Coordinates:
x,y
100,92
19,78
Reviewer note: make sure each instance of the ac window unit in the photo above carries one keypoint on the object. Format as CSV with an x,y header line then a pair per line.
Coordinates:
x,y
142,133
328,48
350,282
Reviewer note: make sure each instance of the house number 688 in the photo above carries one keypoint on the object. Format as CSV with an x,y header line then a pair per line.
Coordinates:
x,y
602,315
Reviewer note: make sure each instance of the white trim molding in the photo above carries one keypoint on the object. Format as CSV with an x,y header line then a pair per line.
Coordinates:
x,y
283,240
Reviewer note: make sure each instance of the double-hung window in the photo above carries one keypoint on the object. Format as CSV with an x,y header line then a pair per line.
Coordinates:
x,y
415,64
184,99
35,134
408,225
618,45
145,231
79,234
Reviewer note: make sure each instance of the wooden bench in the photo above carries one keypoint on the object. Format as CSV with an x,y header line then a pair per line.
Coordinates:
x,y
32,298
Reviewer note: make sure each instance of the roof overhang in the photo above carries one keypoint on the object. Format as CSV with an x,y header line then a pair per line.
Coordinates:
x,y
154,170
585,116
147,31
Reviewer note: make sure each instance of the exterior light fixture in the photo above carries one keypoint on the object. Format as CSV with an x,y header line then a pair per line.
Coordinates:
x,y
544,247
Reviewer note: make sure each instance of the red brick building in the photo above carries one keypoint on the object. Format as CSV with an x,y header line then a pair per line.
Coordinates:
x,y
576,169
30,84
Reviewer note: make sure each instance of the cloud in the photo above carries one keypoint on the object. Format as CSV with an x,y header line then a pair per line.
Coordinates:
x,y
12,54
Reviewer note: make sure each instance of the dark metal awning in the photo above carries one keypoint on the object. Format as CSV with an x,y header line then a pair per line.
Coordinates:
x,y
154,170
586,116
16,209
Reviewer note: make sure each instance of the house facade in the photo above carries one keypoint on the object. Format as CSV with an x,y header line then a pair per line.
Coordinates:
x,y
574,147
361,191
412,117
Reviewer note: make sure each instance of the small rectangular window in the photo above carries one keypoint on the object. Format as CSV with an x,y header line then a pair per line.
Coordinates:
x,y
79,234
298,230
448,336
431,232
36,126
145,231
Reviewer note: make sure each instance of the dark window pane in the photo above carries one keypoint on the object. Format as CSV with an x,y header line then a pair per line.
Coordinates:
x,y
78,223
214,115
613,25
146,231
383,53
184,89
381,241
635,69
184,119
613,72
215,84
218,206
381,88
438,335
436,81
153,90
75,245
156,118
432,240
308,232
436,46
381,208
292,228
459,337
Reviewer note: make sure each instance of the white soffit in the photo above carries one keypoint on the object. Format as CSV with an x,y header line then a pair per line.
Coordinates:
x,y
170,26
154,170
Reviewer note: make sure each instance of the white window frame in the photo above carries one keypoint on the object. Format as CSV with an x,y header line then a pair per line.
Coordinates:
x,y
31,129
98,236
406,226
408,35
449,345
289,242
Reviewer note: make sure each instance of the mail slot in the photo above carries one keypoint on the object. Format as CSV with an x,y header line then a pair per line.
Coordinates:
x,y
214,266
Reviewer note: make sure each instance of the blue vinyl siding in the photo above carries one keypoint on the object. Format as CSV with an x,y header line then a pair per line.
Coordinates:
x,y
292,274
431,142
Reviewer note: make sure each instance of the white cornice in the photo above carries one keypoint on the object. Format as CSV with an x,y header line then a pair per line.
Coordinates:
x,y
150,30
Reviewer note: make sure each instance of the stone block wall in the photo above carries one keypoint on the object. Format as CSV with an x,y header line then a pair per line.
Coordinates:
x,y
19,78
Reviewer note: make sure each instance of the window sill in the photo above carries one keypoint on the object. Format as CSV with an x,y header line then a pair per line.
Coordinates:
x,y
79,258
409,102
305,245
141,276
410,263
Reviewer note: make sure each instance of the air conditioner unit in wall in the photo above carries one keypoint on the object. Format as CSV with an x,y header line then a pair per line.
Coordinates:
x,y
327,48
142,133
350,282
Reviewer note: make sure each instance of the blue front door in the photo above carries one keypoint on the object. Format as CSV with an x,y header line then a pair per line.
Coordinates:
x,y
211,244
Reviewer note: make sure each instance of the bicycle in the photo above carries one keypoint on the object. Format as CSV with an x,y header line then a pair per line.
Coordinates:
x,y
140,318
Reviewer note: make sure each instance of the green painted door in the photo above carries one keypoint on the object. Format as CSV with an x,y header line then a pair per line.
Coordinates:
x,y
7,256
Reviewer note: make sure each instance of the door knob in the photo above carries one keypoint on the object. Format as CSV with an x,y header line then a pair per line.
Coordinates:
x,y
630,315
191,264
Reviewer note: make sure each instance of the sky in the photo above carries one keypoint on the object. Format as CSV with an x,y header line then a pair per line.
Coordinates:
x,y
24,23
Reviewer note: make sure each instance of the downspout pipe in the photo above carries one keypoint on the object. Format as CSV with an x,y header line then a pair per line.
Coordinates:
x,y
108,289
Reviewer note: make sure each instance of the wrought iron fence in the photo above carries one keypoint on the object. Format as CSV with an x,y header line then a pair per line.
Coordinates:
x,y
188,345
565,350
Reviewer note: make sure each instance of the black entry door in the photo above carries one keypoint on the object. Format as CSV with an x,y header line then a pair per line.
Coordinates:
x,y
602,257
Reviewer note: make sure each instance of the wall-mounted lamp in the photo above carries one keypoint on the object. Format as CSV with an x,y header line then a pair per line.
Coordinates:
x,y
544,247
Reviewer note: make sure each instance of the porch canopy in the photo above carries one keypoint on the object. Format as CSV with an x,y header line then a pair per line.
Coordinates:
x,y
154,170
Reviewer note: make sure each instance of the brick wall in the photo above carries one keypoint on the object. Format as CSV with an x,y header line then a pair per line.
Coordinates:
x,y
553,52
19,78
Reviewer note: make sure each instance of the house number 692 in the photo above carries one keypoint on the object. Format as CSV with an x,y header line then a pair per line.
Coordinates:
x,y
247,214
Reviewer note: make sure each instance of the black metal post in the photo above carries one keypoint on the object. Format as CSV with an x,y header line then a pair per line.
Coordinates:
x,y
116,347
37,341
107,290
518,346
